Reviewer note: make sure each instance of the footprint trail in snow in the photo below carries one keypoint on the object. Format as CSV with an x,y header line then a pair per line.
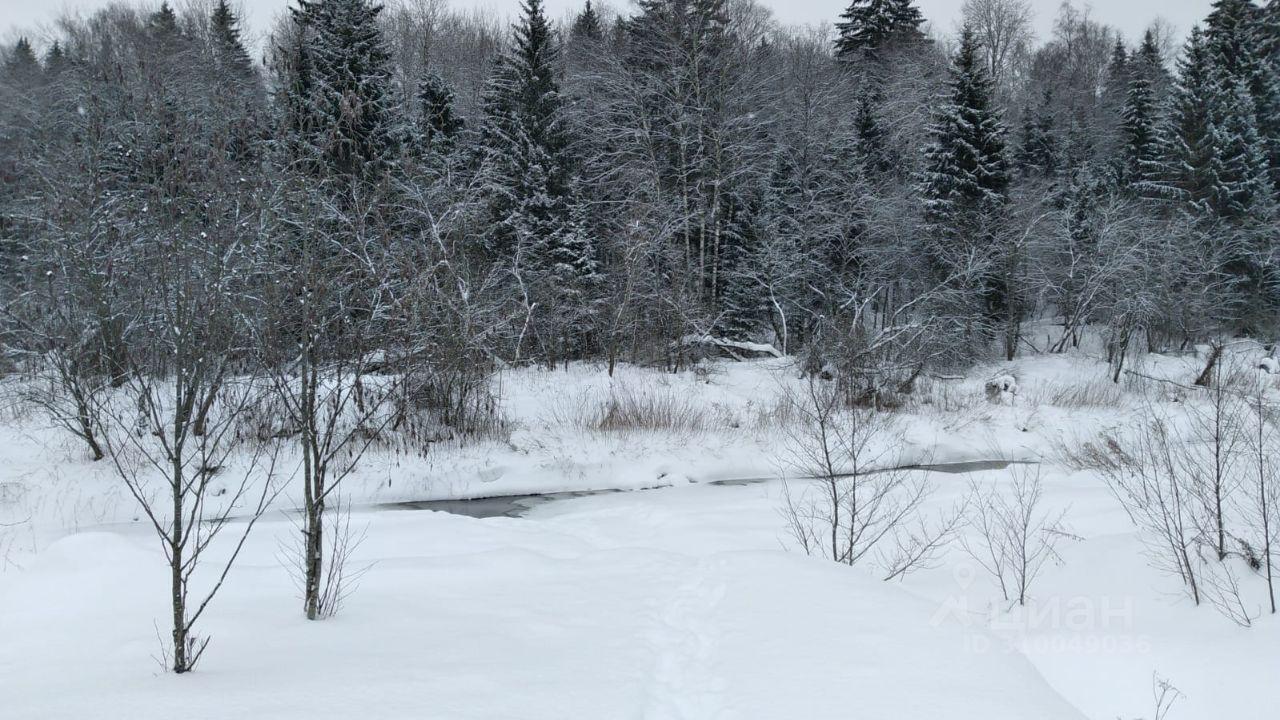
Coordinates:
x,y
684,683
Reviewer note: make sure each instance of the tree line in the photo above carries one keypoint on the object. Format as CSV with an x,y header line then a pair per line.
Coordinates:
x,y
627,185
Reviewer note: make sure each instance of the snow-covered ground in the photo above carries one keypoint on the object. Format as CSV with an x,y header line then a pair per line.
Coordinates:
x,y
682,602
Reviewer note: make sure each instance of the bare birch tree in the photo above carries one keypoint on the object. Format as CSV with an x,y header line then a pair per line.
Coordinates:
x,y
853,501
172,429
1211,449
1148,480
1263,506
1003,28
1015,537
321,346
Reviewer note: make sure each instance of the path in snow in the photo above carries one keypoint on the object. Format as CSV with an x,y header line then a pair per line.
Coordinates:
x,y
685,685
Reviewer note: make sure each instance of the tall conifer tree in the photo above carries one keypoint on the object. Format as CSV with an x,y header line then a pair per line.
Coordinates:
x,y
1139,163
529,172
438,123
341,84
1192,165
229,52
966,178
966,172
1240,106
1267,87
868,26
587,26
1037,153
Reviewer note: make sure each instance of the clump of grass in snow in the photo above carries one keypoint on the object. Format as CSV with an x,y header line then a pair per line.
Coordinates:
x,y
781,411
1095,393
954,403
945,396
1101,453
654,409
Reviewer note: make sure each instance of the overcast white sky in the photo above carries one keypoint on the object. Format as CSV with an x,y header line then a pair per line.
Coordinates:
x,y
1131,16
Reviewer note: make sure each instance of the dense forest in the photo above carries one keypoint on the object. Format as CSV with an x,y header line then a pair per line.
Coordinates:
x,y
422,182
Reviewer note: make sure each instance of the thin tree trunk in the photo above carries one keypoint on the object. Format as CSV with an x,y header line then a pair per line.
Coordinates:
x,y
313,493
1264,505
1266,539
176,560
314,557
1207,375
86,428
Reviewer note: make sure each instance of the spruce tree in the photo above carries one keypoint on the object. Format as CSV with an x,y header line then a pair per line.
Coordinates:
x,y
1149,60
438,125
1140,143
232,59
1037,153
1241,193
523,101
529,177
1230,32
240,97
1118,68
343,71
1115,89
870,140
742,297
1191,163
22,67
587,26
1269,29
297,119
907,20
163,22
966,172
1243,183
1081,211
966,177
166,35
1241,106
1267,87
55,60
868,26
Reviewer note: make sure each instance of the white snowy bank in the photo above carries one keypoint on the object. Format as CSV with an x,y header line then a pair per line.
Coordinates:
x,y
684,602
461,618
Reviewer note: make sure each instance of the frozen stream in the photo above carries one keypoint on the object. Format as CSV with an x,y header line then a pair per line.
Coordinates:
x,y
514,506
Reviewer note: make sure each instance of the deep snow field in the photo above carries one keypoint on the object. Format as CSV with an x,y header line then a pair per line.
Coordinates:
x,y
679,600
